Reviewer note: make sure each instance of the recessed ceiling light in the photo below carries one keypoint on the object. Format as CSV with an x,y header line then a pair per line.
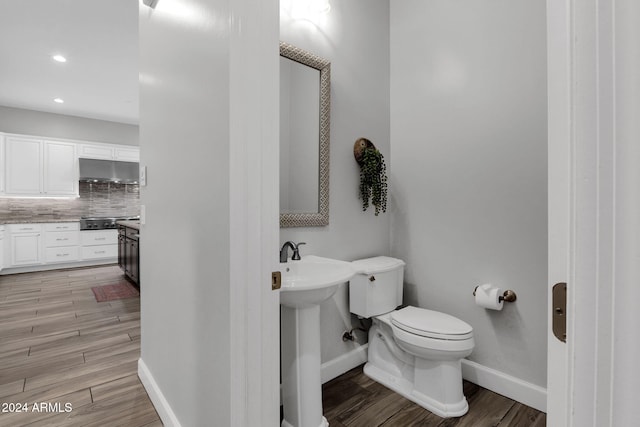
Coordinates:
x,y
59,58
59,100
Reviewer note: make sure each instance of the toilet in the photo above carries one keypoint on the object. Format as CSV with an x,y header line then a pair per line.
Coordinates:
x,y
413,351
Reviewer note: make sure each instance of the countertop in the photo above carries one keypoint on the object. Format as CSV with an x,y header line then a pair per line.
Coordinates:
x,y
130,224
36,220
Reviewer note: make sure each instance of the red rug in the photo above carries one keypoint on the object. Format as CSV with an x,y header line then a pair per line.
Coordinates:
x,y
118,291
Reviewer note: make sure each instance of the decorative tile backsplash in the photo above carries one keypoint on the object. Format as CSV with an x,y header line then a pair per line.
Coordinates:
x,y
96,199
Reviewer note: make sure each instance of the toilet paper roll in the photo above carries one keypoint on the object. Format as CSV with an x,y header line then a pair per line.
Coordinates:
x,y
488,296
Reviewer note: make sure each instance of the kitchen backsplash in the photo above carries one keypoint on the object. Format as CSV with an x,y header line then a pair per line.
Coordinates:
x,y
96,199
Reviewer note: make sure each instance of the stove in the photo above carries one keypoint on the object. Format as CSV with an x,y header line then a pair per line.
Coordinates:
x,y
103,223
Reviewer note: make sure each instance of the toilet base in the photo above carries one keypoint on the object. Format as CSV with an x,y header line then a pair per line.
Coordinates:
x,y
436,385
405,389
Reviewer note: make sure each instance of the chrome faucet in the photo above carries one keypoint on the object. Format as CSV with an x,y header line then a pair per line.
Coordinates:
x,y
284,251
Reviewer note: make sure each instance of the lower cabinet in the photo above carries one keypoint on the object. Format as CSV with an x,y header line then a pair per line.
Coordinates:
x,y
129,252
26,244
35,246
61,242
99,244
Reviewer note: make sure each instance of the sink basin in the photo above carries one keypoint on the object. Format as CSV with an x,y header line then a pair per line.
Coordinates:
x,y
312,280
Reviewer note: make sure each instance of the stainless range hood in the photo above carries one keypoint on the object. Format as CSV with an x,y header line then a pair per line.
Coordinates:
x,y
92,170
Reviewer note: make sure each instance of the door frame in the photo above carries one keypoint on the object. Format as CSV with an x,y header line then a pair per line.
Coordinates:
x,y
589,186
254,207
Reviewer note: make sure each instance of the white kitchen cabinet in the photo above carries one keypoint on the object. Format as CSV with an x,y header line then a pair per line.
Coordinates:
x,y
95,151
127,154
25,244
36,167
99,244
60,168
23,166
109,152
61,242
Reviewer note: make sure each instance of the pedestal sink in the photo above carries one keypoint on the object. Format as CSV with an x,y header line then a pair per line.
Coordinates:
x,y
305,284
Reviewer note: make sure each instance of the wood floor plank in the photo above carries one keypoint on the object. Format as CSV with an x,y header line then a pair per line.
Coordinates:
x,y
32,366
79,344
76,399
131,410
521,415
112,350
17,342
9,388
69,374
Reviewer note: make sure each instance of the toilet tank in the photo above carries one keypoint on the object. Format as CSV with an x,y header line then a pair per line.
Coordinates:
x,y
377,286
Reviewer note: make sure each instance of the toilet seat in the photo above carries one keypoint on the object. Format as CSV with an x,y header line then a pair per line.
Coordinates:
x,y
431,324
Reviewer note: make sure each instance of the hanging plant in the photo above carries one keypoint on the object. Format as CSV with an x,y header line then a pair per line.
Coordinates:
x,y
373,175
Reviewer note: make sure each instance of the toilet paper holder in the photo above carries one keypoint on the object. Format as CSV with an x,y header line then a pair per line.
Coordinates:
x,y
507,296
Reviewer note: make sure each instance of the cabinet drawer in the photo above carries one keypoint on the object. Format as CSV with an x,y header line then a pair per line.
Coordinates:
x,y
99,237
63,254
25,228
61,238
62,226
101,251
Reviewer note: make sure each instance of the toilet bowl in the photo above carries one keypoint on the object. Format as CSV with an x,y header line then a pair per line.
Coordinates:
x,y
413,351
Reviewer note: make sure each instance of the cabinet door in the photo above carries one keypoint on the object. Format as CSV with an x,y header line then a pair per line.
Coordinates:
x,y
95,151
134,260
24,166
127,154
26,249
60,169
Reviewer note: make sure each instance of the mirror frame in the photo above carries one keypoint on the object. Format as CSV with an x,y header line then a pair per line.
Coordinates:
x,y
320,218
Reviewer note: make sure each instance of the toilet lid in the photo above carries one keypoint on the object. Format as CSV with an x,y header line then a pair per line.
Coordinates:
x,y
432,324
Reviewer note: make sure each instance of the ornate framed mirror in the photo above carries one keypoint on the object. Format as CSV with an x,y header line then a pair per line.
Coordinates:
x,y
305,106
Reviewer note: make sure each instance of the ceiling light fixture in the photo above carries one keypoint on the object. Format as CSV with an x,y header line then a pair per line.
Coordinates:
x,y
59,58
150,3
59,100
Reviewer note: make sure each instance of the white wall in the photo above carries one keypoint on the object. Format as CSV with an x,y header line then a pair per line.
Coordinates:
x,y
468,179
354,36
184,255
38,123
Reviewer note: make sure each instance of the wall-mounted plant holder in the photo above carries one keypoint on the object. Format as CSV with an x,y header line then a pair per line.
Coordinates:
x,y
373,175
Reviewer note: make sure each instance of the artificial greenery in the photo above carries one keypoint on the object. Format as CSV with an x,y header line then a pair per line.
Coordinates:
x,y
373,180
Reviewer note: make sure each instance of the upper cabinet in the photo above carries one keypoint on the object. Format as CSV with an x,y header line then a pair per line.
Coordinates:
x,y
109,152
36,167
24,166
60,168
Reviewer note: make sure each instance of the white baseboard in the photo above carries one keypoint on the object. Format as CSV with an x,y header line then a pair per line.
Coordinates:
x,y
46,267
506,385
338,366
167,416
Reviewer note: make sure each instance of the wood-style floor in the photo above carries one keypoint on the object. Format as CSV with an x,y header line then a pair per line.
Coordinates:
x,y
59,346
355,400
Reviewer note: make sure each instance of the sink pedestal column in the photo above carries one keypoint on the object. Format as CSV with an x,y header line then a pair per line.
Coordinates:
x,y
300,367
